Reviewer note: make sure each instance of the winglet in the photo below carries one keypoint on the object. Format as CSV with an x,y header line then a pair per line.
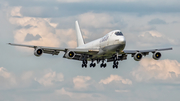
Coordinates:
x,y
80,40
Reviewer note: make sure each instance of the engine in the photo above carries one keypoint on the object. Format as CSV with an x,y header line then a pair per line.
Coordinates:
x,y
156,55
138,56
38,52
70,54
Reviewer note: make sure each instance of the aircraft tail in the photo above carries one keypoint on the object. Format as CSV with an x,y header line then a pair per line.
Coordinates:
x,y
79,37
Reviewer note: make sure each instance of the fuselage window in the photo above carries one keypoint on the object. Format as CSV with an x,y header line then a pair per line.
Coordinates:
x,y
119,33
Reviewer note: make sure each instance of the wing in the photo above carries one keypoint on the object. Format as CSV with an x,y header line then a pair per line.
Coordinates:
x,y
55,51
145,51
124,53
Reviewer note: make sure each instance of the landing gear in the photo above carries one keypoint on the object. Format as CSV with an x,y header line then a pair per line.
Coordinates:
x,y
92,64
103,64
115,66
115,63
84,63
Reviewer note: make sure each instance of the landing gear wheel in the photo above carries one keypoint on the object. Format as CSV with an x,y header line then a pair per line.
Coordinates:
x,y
113,66
94,65
116,66
117,63
91,65
104,65
101,65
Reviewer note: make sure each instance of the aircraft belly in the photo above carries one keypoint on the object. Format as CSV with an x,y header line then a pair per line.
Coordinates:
x,y
108,51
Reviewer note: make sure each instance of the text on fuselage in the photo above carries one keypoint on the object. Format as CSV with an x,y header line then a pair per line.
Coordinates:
x,y
105,38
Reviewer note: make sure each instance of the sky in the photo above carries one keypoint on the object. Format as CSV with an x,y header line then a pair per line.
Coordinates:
x,y
146,24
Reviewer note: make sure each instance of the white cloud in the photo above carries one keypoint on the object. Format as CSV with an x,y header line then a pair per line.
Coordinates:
x,y
67,36
115,78
153,33
38,26
16,11
96,20
49,78
49,35
7,79
150,69
154,38
81,82
80,96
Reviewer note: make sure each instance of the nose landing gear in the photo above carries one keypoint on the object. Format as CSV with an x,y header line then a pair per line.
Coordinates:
x,y
115,63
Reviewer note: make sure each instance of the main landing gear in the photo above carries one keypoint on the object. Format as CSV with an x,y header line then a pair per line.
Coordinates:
x,y
93,64
84,63
103,64
115,64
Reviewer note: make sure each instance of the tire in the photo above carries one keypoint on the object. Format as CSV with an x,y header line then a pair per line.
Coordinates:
x,y
113,66
94,65
101,65
117,63
104,65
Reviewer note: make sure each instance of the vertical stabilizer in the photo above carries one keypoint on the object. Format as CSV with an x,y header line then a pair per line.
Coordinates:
x,y
80,40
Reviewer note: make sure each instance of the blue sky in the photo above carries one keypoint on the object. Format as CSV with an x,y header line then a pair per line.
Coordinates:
x,y
145,24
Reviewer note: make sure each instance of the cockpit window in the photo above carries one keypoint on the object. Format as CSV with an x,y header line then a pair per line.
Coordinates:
x,y
119,33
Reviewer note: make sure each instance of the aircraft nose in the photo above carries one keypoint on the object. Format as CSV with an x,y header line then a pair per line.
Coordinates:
x,y
122,40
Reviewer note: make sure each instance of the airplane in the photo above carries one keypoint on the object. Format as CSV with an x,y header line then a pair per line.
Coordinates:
x,y
109,48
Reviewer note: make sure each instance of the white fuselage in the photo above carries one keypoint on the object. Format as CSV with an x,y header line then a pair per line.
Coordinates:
x,y
107,45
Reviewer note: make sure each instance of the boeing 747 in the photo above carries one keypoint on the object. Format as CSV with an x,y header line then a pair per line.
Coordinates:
x,y
109,48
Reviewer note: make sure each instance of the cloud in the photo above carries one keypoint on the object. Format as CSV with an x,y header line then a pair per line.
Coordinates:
x,y
164,70
156,21
49,78
81,95
74,7
115,78
154,38
41,27
96,20
16,11
30,37
41,32
81,82
7,79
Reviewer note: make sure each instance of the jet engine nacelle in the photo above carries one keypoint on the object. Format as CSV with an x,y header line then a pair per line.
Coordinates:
x,y
156,55
38,52
70,54
138,56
